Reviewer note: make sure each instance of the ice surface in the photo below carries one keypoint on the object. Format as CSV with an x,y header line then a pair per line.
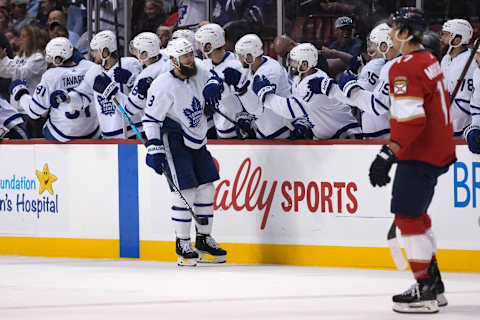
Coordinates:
x,y
43,288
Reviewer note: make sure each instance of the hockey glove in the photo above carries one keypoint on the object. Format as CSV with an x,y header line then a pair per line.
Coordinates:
x,y
302,129
262,87
57,97
123,76
320,85
357,63
105,86
231,76
17,89
212,93
472,135
156,158
381,166
143,85
244,124
347,82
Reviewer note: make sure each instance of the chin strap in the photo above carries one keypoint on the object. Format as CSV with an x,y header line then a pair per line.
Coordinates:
x,y
410,37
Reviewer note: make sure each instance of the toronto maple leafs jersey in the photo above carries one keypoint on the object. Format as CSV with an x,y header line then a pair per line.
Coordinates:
x,y
136,101
373,126
177,105
110,119
191,12
268,124
63,123
452,69
230,104
330,119
9,116
475,101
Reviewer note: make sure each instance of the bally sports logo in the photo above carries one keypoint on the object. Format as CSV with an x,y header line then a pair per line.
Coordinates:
x,y
249,192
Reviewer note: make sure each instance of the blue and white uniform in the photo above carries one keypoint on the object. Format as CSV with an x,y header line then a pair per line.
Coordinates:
x,y
475,100
63,124
9,117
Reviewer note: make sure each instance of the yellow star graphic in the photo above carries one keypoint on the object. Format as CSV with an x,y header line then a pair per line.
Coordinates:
x,y
46,179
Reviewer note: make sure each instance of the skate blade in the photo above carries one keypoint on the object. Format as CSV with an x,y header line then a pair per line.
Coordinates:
x,y
442,300
429,306
208,258
181,261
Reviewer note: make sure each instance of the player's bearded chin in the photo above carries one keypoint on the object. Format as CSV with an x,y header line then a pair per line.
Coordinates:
x,y
188,71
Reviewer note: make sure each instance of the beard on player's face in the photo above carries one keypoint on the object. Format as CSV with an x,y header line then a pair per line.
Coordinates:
x,y
188,71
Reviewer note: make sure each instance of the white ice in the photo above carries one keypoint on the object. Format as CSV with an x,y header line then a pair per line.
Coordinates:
x,y
43,288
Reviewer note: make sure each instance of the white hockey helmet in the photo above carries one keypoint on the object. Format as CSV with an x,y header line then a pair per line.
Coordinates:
x,y
58,48
145,42
185,34
458,27
210,33
381,34
104,40
304,52
177,48
249,44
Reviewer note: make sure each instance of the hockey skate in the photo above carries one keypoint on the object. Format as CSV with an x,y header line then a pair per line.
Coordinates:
x,y
185,253
438,284
209,250
419,298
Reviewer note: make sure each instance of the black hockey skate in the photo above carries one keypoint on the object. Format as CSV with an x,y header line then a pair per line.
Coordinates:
x,y
205,244
438,284
419,298
185,253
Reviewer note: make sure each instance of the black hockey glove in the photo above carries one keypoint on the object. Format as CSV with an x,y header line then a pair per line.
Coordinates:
x,y
381,166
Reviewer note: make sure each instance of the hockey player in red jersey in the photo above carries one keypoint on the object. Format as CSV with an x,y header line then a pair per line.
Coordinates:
x,y
421,142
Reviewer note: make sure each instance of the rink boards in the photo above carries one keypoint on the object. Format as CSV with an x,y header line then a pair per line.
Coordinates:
x,y
307,203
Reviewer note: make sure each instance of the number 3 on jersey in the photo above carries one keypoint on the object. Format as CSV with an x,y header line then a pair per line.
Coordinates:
x,y
443,101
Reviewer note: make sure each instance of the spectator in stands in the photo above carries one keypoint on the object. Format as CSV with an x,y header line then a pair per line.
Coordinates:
x,y
165,35
4,19
20,18
46,6
13,40
57,30
4,83
191,12
59,17
344,37
153,16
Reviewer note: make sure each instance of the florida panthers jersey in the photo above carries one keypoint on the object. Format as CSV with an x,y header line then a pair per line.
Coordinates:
x,y
269,125
230,104
177,105
136,101
452,69
420,110
110,119
330,118
9,117
475,101
63,123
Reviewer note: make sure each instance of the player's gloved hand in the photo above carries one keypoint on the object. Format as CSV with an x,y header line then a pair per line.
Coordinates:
x,y
232,78
263,87
302,129
212,93
17,89
156,158
122,76
105,86
244,127
347,82
472,135
57,97
357,63
320,85
381,166
143,85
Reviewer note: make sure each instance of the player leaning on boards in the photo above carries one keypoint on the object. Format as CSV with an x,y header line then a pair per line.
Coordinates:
x,y
176,128
421,141
472,132
456,35
328,118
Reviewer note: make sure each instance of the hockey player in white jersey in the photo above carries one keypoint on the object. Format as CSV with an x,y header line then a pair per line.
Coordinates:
x,y
63,124
146,47
266,123
329,118
211,40
472,132
11,122
456,35
176,128
98,86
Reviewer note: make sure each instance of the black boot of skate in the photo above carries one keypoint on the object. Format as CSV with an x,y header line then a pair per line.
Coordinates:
x,y
185,253
205,244
438,284
419,298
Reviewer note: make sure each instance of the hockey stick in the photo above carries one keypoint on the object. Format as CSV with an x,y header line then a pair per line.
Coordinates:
x,y
235,123
465,70
117,38
200,220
